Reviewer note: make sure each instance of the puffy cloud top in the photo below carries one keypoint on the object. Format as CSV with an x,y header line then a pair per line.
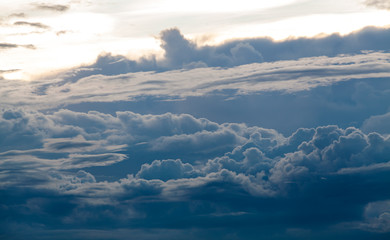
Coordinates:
x,y
254,172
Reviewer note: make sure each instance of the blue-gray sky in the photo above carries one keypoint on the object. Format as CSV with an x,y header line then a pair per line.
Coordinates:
x,y
195,120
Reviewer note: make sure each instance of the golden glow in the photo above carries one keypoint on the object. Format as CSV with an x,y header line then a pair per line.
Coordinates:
x,y
207,6
309,26
16,76
77,36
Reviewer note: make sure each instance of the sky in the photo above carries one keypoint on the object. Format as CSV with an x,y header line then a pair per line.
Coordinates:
x,y
195,119
41,37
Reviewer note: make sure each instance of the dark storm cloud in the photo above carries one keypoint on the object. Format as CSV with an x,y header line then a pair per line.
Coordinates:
x,y
381,4
52,7
31,24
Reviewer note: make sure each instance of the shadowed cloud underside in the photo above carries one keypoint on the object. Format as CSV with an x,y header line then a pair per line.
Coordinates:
x,y
248,139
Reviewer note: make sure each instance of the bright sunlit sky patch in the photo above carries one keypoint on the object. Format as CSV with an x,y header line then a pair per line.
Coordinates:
x,y
43,36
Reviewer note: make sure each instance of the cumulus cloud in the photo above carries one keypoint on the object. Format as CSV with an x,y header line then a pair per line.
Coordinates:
x,y
180,52
377,217
244,53
166,169
259,172
45,137
72,135
378,123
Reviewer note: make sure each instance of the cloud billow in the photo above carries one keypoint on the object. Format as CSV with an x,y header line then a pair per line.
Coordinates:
x,y
183,147
182,53
260,172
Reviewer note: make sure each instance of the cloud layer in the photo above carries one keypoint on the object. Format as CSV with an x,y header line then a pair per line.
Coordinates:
x,y
173,176
183,53
223,142
285,76
345,90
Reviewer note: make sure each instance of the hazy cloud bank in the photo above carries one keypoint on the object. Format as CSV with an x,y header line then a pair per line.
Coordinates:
x,y
51,7
284,76
344,90
381,4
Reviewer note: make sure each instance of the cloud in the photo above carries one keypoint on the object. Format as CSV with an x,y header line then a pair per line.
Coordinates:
x,y
244,53
50,144
179,146
381,4
166,169
259,174
12,45
92,133
180,52
83,140
378,123
52,7
199,141
61,32
31,24
344,90
377,217
9,71
18,15
288,76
